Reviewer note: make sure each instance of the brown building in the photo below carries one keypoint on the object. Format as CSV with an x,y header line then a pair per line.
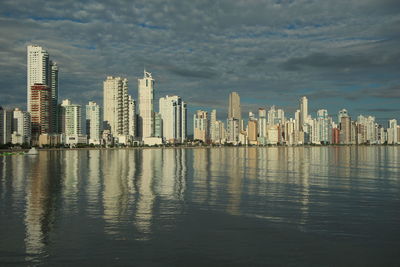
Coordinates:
x,y
252,132
41,108
335,136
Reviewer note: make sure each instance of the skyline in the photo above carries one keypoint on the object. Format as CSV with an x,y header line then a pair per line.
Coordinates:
x,y
271,54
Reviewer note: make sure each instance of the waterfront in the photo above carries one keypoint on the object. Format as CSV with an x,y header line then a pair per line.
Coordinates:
x,y
219,206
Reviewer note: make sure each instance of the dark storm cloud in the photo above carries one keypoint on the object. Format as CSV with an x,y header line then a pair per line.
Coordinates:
x,y
269,51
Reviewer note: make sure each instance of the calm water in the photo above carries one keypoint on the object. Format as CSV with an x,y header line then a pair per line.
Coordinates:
x,y
195,207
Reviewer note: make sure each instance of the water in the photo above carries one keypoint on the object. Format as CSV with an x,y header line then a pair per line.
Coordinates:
x,y
193,207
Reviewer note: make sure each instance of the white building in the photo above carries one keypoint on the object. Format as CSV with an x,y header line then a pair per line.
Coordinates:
x,y
272,135
93,124
71,123
303,111
392,132
38,69
233,130
173,115
262,123
146,105
200,125
21,129
116,105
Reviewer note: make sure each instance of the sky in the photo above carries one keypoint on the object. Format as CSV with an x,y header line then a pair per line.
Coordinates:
x,y
338,53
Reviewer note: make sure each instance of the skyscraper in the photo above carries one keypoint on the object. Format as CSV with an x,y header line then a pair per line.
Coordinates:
x,y
54,95
38,69
132,116
303,111
93,122
234,111
262,122
5,126
173,114
116,105
146,105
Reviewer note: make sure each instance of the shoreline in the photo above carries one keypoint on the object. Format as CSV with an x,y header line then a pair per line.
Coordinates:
x,y
176,147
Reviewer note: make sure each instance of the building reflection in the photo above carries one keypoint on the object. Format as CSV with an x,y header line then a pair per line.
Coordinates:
x,y
71,167
93,183
42,203
145,201
236,168
117,189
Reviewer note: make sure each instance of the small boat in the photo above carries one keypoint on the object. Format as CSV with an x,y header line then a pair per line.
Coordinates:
x,y
32,151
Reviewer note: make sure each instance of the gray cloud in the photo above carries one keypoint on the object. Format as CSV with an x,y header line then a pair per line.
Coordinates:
x,y
271,52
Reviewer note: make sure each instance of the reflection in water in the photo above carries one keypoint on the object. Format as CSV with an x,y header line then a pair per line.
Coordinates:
x,y
136,193
116,189
71,167
41,203
144,208
93,183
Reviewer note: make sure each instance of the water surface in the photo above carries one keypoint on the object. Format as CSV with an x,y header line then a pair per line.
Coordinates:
x,y
195,207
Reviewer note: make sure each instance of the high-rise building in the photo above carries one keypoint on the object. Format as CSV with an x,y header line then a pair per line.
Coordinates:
x,y
116,105
132,116
234,111
200,125
54,95
21,129
303,110
173,114
219,132
5,126
146,105
262,123
41,105
72,124
233,129
38,69
345,128
252,132
93,123
213,129
392,132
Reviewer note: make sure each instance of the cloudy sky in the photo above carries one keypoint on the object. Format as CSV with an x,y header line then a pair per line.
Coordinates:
x,y
339,53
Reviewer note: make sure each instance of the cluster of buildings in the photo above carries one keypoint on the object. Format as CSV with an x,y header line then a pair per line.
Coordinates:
x,y
51,122
272,127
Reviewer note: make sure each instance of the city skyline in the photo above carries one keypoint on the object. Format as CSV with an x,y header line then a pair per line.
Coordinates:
x,y
335,52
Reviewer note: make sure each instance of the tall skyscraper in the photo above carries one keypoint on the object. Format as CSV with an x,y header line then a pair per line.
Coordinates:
x,y
132,116
41,105
54,95
345,128
116,105
173,114
262,122
93,123
213,121
200,125
234,111
146,105
38,69
392,132
5,126
303,111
